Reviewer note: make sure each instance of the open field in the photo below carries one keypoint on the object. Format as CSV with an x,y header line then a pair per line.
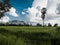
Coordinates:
x,y
29,35
29,28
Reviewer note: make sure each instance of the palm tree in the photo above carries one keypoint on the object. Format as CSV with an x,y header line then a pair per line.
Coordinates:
x,y
43,11
4,7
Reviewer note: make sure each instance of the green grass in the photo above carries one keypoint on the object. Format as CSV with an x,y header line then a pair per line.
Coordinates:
x,y
29,35
29,28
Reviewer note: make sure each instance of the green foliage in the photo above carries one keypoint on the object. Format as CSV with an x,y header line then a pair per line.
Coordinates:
x,y
4,7
56,25
39,24
49,25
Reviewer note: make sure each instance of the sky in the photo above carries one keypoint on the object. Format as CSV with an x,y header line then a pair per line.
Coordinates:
x,y
21,5
30,11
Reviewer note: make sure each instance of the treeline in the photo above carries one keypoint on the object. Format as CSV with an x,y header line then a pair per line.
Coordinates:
x,y
15,25
7,24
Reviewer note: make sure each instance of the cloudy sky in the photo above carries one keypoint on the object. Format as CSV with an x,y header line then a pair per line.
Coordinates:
x,y
30,11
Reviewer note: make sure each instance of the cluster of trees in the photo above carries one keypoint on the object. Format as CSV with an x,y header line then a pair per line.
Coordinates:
x,y
49,25
24,24
15,24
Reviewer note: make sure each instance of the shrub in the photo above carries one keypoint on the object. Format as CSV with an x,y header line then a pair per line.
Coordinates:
x,y
39,24
49,25
55,25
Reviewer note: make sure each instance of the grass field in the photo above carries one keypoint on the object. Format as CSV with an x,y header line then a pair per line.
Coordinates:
x,y
29,35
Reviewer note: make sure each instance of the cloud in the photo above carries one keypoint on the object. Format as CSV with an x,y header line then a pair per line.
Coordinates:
x,y
12,12
40,3
33,14
23,13
52,16
4,19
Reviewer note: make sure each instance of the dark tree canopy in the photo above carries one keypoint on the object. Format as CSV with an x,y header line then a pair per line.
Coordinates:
x,y
43,11
4,7
55,25
6,1
49,25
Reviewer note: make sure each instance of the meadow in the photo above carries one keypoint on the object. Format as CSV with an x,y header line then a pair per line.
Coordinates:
x,y
29,35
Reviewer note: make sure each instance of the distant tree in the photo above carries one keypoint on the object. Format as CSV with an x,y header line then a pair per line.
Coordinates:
x,y
6,24
45,25
39,24
49,25
55,25
28,24
4,7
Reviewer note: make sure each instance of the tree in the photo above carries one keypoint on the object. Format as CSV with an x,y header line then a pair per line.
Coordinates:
x,y
39,24
4,7
43,11
55,25
49,25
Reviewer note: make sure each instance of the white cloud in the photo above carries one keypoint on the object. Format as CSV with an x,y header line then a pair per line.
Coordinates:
x,y
12,12
4,19
40,3
23,13
52,7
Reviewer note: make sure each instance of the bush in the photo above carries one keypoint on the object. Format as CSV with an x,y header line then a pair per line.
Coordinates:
x,y
55,25
39,24
49,25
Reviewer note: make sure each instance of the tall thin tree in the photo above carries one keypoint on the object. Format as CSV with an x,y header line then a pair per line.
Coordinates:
x,y
43,11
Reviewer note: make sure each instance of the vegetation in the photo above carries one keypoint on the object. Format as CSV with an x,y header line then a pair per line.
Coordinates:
x,y
4,7
39,24
55,25
49,25
29,35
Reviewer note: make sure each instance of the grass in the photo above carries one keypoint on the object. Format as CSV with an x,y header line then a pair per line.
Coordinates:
x,y
29,35
28,28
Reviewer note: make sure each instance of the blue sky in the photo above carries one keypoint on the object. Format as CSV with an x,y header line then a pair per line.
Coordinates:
x,y
20,5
